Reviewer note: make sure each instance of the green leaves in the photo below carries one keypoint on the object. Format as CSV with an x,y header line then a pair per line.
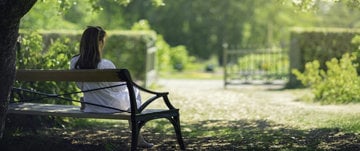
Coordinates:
x,y
29,54
308,5
311,75
56,55
338,84
59,54
168,57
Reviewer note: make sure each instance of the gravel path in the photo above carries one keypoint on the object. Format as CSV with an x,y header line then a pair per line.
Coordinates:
x,y
209,98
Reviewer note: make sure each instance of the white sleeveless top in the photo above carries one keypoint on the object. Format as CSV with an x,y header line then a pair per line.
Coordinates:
x,y
117,97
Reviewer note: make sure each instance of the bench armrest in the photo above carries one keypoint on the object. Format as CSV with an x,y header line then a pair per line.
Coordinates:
x,y
163,95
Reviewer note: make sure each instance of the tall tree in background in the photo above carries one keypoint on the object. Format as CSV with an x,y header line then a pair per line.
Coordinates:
x,y
11,12
203,26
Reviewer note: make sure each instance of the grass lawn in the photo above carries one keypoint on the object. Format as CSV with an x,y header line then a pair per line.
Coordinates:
x,y
245,117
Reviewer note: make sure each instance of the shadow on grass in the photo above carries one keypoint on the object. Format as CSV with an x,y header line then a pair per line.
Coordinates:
x,y
264,135
203,135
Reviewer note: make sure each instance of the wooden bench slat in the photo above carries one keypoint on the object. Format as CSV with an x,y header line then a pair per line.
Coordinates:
x,y
60,110
91,75
67,111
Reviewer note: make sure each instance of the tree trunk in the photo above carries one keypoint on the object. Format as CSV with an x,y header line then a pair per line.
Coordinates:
x,y
11,12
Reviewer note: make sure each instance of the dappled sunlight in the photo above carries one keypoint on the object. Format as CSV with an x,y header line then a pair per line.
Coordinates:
x,y
265,135
245,117
242,134
208,100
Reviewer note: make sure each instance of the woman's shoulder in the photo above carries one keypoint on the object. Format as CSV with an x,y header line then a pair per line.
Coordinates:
x,y
76,57
106,61
73,61
106,64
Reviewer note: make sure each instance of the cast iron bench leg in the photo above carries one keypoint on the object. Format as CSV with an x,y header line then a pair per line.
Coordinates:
x,y
176,123
134,135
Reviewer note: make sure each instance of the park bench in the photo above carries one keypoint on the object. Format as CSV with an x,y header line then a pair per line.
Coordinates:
x,y
137,116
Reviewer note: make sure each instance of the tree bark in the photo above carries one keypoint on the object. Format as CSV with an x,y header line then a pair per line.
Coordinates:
x,y
11,11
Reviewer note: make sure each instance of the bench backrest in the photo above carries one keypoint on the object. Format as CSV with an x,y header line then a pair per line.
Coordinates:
x,y
87,75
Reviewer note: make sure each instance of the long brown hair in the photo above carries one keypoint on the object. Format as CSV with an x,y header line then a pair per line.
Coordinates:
x,y
90,53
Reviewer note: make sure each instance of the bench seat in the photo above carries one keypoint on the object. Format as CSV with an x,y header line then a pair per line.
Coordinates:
x,y
68,111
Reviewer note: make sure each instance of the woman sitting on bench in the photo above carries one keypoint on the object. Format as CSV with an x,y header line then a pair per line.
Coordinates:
x,y
91,47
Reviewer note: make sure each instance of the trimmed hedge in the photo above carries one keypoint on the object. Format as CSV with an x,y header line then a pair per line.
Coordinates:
x,y
131,50
318,44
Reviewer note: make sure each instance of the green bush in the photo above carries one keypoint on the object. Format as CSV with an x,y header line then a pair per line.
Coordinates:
x,y
179,57
168,57
337,85
163,54
320,44
31,55
129,50
172,58
356,42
